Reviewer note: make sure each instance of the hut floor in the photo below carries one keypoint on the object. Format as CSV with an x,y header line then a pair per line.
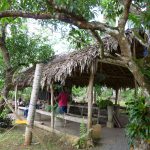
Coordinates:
x,y
111,139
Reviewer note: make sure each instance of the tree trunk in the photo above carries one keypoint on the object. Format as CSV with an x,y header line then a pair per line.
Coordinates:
x,y
32,108
90,99
16,104
132,66
6,57
143,81
52,106
8,82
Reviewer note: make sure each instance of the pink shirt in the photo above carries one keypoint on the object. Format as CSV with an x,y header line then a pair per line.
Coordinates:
x,y
63,99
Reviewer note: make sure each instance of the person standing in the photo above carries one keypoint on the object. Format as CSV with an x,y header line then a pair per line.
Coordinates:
x,y
63,99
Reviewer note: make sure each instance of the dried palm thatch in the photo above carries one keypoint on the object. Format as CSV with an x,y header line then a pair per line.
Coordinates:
x,y
61,67
74,68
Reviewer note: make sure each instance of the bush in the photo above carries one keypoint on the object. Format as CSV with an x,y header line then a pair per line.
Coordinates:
x,y
5,121
104,103
139,120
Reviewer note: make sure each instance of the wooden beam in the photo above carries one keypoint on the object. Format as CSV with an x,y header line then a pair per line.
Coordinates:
x,y
94,99
52,106
113,61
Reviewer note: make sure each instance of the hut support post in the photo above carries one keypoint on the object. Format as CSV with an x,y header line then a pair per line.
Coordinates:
x,y
52,105
90,100
116,96
33,100
116,108
94,99
16,104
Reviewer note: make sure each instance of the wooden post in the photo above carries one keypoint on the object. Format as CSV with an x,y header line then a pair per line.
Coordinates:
x,y
94,99
33,100
90,99
52,105
116,96
16,104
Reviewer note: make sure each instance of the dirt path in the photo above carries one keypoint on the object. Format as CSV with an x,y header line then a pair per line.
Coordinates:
x,y
113,139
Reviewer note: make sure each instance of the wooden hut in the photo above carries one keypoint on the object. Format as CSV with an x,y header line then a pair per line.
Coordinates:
x,y
85,68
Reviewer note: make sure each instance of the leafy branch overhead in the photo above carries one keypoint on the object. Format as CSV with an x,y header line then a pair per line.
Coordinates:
x,y
82,14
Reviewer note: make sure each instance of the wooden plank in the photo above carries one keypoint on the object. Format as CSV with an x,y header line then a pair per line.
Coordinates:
x,y
21,108
69,117
43,112
82,106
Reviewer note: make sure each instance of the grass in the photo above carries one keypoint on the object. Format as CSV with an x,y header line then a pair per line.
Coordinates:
x,y
15,138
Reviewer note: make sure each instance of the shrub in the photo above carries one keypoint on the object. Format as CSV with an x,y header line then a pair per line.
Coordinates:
x,y
104,103
139,120
5,121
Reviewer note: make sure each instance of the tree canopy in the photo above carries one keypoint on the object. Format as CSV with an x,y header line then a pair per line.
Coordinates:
x,y
83,14
20,49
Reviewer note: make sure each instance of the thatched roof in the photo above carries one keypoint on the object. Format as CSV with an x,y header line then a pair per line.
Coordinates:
x,y
74,68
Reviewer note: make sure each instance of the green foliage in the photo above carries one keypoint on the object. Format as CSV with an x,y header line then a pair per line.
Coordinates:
x,y
80,7
78,91
146,71
5,121
98,90
26,94
103,96
24,49
52,108
81,144
127,94
79,38
104,103
139,119
85,9
103,93
79,94
144,65
142,19
111,8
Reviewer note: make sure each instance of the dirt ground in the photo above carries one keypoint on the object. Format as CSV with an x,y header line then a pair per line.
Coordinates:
x,y
42,140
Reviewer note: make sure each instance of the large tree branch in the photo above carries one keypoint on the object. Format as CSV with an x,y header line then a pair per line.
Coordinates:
x,y
64,10
61,9
98,38
140,39
113,61
124,18
65,18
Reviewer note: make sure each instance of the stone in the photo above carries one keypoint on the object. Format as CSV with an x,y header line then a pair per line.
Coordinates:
x,y
110,124
96,131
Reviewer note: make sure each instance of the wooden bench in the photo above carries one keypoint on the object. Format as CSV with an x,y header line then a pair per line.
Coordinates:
x,y
65,116
95,115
